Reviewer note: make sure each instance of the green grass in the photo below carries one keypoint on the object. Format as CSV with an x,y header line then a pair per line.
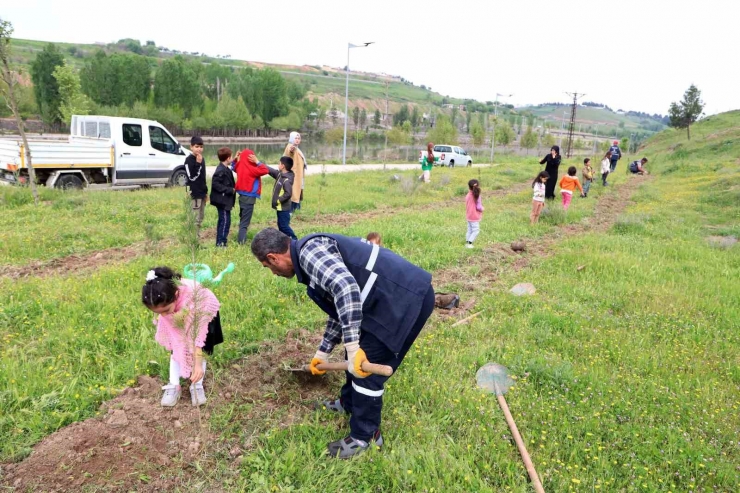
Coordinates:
x,y
627,370
90,221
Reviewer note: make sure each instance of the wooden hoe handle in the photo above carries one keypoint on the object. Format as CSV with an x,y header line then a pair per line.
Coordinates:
x,y
520,445
384,370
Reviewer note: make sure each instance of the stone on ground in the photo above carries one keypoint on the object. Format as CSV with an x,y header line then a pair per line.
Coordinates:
x,y
523,289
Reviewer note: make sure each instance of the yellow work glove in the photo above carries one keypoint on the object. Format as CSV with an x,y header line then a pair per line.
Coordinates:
x,y
318,358
355,357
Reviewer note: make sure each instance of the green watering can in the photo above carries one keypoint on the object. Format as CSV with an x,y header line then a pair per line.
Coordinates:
x,y
202,273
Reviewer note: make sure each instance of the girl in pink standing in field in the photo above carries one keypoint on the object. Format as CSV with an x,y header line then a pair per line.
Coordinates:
x,y
189,325
473,212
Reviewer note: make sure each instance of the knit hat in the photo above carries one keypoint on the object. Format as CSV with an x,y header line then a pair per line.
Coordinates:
x,y
616,142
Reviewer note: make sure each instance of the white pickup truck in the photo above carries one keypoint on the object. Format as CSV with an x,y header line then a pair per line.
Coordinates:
x,y
451,156
101,151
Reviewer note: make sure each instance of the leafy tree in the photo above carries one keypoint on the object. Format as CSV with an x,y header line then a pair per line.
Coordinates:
x,y
73,101
478,133
363,118
453,116
45,85
548,140
121,78
687,111
528,140
468,119
334,135
415,117
402,115
376,118
356,115
398,136
444,132
234,113
504,133
177,84
8,89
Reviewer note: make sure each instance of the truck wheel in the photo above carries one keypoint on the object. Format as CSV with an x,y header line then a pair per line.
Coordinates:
x,y
452,163
68,182
179,178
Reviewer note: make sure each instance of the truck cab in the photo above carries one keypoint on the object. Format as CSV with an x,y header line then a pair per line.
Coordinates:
x,y
145,152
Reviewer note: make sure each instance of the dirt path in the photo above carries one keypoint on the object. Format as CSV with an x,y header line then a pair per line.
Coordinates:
x,y
136,444
83,263
501,259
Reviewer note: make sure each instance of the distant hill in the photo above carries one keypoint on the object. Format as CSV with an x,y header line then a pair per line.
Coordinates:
x,y
604,120
367,90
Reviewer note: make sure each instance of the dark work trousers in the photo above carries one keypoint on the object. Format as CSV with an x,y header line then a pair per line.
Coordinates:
x,y
246,208
223,226
603,177
613,165
363,397
283,220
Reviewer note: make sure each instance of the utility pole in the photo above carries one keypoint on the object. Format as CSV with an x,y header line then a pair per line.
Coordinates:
x,y
572,124
385,149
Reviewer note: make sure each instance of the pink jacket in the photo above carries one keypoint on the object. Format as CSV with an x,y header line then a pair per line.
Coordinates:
x,y
473,208
176,339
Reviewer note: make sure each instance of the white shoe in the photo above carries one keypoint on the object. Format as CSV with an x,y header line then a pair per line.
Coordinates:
x,y
171,395
197,395
468,245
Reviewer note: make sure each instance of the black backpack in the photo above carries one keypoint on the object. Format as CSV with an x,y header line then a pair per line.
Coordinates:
x,y
634,166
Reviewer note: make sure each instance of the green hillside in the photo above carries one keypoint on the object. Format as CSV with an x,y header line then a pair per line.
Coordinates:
x,y
320,81
593,117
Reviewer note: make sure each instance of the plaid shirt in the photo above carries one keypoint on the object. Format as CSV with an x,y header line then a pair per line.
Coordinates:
x,y
321,261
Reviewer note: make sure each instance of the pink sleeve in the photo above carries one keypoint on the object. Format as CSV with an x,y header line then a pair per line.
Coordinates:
x,y
479,205
208,306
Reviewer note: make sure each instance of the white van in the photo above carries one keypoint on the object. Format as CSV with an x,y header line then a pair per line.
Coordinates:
x,y
101,150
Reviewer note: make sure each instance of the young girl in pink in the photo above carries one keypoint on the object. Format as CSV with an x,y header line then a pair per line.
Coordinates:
x,y
473,212
188,325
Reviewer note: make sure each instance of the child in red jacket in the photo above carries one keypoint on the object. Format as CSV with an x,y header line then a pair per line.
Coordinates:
x,y
249,172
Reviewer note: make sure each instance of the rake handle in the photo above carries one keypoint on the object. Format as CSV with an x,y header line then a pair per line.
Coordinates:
x,y
520,445
373,368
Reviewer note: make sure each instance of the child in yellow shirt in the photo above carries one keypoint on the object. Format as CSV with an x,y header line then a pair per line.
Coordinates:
x,y
568,184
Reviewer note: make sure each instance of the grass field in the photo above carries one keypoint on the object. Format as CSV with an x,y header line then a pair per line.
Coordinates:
x,y
626,359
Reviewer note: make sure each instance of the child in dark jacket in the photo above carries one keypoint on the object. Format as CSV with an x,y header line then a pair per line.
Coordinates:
x,y
223,195
282,193
195,170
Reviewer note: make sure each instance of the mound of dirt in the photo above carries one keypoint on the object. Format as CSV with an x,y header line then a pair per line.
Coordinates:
x,y
136,445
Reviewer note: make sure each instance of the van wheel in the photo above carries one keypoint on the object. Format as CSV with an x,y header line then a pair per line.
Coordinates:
x,y
452,164
68,182
179,178
470,163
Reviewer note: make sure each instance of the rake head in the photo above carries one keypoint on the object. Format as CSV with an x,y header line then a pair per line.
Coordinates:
x,y
494,378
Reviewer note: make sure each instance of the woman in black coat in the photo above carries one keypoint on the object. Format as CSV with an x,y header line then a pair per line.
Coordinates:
x,y
553,162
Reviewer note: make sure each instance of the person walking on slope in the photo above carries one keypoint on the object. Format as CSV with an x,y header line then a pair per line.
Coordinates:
x,y
377,303
616,156
552,163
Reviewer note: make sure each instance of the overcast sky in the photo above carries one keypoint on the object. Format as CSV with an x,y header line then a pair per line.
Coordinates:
x,y
636,55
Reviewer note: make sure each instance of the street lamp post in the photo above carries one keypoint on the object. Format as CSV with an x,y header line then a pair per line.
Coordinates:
x,y
495,114
346,99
